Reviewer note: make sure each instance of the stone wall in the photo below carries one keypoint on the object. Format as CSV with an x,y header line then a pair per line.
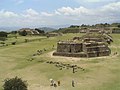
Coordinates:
x,y
93,39
69,54
89,46
96,49
61,47
69,47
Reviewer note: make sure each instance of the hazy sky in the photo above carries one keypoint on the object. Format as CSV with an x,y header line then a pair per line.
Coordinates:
x,y
58,12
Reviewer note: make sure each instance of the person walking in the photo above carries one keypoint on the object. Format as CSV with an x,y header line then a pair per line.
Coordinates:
x,y
55,85
73,83
58,83
52,82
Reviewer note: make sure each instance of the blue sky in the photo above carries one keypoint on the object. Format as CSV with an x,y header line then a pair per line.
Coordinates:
x,y
34,13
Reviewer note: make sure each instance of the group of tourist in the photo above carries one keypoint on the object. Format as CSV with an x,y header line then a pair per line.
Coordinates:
x,y
53,83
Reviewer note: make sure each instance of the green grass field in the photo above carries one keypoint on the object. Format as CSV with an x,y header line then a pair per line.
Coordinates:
x,y
102,73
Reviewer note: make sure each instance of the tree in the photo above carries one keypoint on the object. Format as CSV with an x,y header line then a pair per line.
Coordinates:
x,y
119,26
13,43
23,33
13,32
3,43
15,84
74,26
40,31
83,25
3,34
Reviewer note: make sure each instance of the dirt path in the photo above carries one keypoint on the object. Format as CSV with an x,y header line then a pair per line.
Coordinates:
x,y
75,59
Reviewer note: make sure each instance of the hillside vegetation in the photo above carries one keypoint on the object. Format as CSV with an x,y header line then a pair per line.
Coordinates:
x,y
114,28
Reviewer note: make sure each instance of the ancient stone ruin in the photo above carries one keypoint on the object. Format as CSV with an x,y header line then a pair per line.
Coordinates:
x,y
53,34
85,46
29,31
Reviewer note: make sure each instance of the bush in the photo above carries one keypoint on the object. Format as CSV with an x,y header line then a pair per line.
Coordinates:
x,y
13,43
15,84
2,42
40,31
3,38
3,34
26,40
119,26
22,33
13,32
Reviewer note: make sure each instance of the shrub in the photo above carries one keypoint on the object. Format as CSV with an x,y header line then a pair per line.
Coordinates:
x,y
2,38
13,43
26,40
40,31
15,84
22,33
2,43
3,34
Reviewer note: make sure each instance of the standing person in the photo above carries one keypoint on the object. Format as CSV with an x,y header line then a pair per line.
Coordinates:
x,y
55,85
73,83
52,82
73,70
58,83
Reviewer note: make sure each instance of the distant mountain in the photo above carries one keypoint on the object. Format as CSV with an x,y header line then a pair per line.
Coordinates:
x,y
59,26
47,29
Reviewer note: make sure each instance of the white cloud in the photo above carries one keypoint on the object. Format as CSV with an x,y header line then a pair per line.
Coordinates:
x,y
46,14
112,7
32,12
57,13
65,10
7,14
64,15
74,11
